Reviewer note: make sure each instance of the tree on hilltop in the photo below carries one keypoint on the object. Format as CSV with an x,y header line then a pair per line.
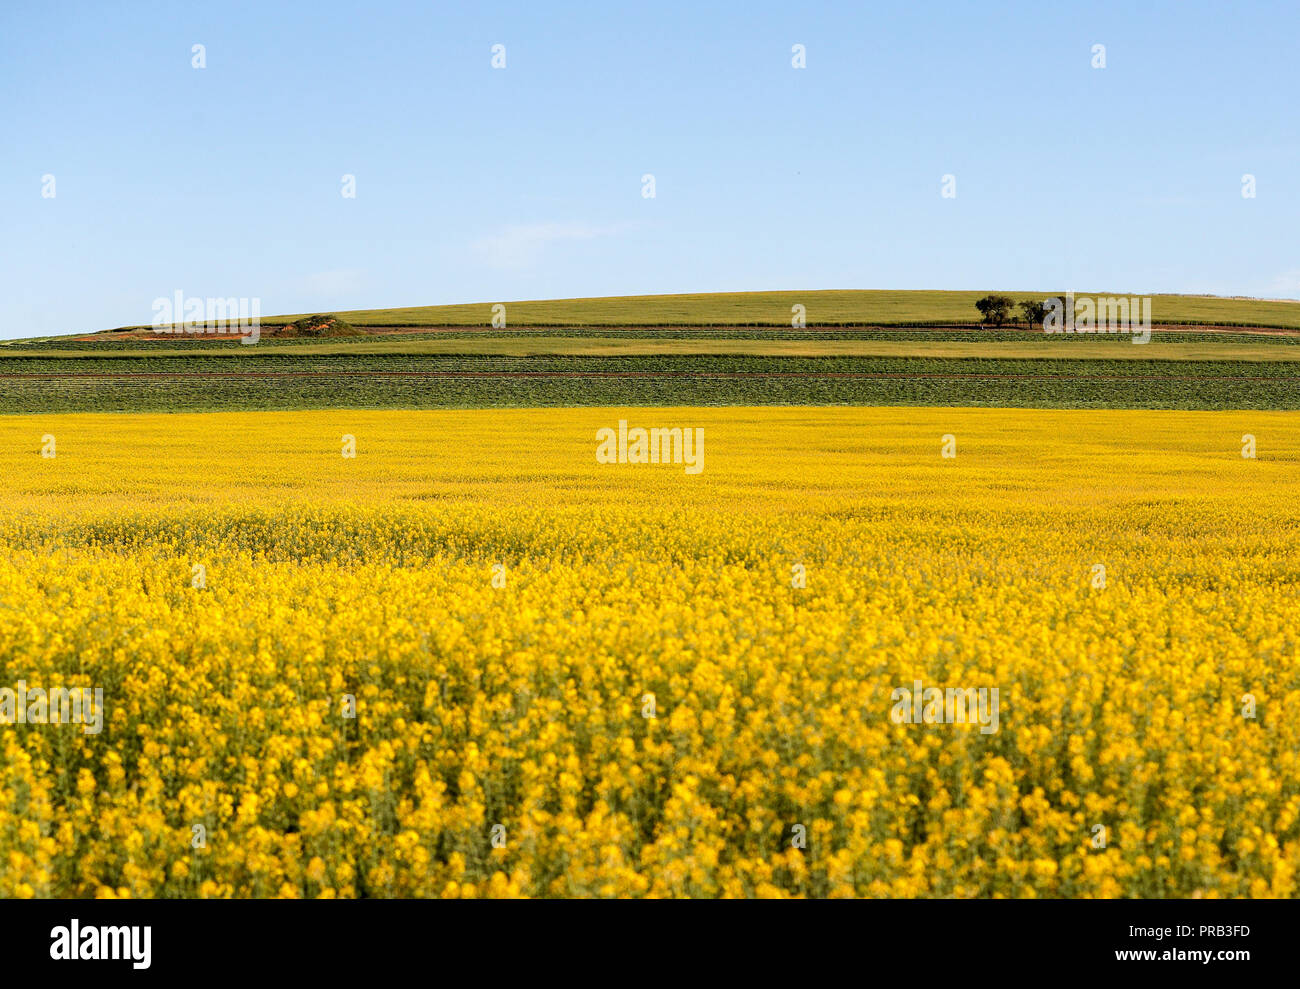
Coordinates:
x,y
1035,312
995,309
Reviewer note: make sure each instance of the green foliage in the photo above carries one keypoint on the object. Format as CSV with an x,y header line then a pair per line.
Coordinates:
x,y
322,326
995,309
287,381
1035,312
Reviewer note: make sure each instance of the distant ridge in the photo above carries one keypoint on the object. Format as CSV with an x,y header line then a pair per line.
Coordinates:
x,y
834,307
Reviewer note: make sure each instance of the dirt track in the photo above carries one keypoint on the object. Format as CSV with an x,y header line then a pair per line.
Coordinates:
x,y
271,332
661,375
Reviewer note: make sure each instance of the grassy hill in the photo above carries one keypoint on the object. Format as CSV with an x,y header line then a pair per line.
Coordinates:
x,y
863,307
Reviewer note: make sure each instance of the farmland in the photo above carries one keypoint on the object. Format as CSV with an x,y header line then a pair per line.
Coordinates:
x,y
523,704
285,379
468,368
859,348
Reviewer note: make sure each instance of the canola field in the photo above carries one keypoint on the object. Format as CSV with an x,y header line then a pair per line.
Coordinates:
x,y
472,661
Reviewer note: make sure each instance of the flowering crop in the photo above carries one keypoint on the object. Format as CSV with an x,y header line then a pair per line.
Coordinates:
x,y
473,661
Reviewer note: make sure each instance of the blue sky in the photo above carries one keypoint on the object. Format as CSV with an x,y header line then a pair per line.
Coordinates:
x,y
481,184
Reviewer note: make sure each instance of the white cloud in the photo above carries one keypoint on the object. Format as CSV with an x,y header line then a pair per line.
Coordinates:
x,y
521,244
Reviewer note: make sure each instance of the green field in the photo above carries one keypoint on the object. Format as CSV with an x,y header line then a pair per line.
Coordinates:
x,y
282,380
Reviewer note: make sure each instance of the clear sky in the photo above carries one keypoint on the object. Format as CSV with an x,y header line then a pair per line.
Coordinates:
x,y
482,184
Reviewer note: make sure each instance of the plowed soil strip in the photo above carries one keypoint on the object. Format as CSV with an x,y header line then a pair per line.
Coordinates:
x,y
276,375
